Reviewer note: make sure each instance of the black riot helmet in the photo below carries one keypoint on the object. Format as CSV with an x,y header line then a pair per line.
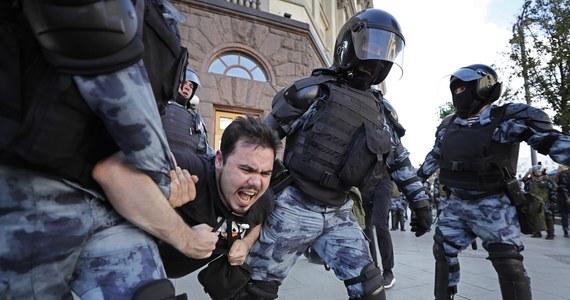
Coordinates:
x,y
482,87
488,87
367,45
189,75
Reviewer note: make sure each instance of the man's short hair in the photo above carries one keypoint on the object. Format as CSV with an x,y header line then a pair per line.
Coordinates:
x,y
251,130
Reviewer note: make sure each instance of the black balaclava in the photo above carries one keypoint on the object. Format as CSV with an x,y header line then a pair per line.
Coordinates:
x,y
180,99
466,103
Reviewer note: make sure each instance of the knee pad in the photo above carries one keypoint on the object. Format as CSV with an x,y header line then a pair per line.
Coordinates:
x,y
160,289
371,279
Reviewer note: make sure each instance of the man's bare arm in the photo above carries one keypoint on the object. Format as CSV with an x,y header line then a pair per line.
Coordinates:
x,y
137,198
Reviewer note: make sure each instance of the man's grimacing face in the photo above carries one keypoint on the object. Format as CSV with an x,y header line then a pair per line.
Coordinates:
x,y
245,175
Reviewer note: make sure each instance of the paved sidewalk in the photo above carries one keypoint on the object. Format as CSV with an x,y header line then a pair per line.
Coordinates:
x,y
547,262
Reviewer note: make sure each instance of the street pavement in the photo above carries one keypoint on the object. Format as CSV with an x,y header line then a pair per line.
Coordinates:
x,y
546,261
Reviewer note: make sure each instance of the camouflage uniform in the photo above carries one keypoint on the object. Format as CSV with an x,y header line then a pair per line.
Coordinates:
x,y
400,206
299,221
492,217
57,235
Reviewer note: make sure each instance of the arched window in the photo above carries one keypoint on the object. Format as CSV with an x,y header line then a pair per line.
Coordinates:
x,y
237,64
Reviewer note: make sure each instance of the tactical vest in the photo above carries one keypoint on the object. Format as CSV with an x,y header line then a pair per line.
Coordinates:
x,y
44,122
539,188
472,160
184,129
343,142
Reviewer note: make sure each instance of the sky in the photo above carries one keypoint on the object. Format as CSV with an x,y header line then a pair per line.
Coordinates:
x,y
442,36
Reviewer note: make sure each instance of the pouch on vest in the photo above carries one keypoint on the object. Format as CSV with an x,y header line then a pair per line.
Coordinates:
x,y
514,192
364,153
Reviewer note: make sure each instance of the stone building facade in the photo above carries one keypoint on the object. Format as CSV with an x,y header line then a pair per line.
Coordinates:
x,y
244,55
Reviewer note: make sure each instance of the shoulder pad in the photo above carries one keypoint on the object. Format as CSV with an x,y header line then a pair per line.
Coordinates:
x,y
302,98
87,38
537,117
390,109
391,114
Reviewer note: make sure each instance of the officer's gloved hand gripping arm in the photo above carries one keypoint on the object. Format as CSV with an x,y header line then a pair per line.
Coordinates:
x,y
109,74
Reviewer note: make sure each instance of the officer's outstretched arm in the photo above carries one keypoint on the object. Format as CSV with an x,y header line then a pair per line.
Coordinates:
x,y
290,104
534,126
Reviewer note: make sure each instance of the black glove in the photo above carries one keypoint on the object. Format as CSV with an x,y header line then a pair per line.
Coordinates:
x,y
421,222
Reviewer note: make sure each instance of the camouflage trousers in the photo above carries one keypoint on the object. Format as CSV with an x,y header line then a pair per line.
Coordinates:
x,y
493,219
56,238
294,225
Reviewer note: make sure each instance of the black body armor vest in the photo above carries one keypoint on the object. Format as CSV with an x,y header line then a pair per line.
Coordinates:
x,y
340,145
184,129
472,160
45,124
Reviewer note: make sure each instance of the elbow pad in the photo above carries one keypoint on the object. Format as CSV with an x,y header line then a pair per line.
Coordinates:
x,y
84,37
532,116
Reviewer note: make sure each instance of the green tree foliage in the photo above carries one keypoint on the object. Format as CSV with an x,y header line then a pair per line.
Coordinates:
x,y
446,110
540,49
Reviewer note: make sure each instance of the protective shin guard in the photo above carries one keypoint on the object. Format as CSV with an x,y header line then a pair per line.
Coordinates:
x,y
513,279
441,289
160,289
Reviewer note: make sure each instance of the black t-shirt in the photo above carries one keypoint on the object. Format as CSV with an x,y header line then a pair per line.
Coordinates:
x,y
207,208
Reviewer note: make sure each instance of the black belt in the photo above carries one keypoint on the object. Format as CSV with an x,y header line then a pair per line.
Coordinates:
x,y
478,196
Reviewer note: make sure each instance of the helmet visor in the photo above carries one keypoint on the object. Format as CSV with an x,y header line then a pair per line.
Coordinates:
x,y
467,74
374,43
190,75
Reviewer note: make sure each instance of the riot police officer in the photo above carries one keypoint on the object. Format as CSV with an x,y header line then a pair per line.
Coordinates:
x,y
542,187
73,91
340,133
476,150
183,125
